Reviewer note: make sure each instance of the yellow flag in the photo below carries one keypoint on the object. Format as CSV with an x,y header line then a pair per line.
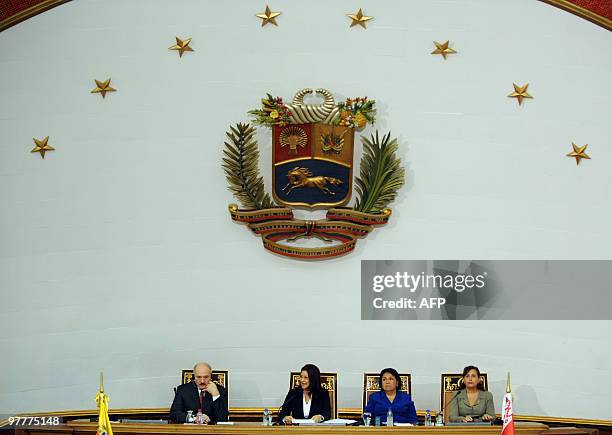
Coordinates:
x,y
104,425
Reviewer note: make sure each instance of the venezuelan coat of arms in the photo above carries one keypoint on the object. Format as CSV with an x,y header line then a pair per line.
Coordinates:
x,y
312,168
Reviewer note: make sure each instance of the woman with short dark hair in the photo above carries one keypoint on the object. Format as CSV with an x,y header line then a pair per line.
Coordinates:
x,y
308,400
472,402
390,397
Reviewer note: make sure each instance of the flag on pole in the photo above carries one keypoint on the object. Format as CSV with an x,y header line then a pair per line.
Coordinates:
x,y
104,426
507,414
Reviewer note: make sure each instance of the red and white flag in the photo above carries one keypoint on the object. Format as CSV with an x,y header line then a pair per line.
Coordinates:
x,y
507,414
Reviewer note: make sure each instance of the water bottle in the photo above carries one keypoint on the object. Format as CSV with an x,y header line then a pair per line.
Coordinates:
x,y
200,417
427,417
266,418
440,418
389,418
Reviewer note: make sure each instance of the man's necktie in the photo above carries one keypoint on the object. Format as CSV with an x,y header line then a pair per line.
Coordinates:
x,y
202,400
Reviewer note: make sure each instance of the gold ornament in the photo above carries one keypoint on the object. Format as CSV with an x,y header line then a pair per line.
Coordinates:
x,y
332,143
103,87
181,46
313,155
42,146
520,92
443,49
579,153
359,19
268,16
302,177
293,137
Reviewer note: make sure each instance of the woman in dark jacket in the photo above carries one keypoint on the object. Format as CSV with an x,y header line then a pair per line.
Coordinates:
x,y
309,400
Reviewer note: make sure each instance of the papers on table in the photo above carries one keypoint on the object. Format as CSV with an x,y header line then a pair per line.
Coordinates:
x,y
303,421
403,424
339,422
332,422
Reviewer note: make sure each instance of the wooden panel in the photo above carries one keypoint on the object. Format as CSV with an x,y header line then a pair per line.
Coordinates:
x,y
570,431
79,428
254,415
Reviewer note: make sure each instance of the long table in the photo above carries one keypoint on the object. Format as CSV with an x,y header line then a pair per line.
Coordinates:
x,y
87,428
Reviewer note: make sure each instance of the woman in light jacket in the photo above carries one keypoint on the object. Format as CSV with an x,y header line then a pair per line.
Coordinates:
x,y
471,402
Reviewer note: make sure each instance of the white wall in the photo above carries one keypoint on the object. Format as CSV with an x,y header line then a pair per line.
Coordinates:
x,y
118,252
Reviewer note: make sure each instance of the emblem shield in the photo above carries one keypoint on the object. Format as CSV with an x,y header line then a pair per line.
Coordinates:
x,y
312,167
312,164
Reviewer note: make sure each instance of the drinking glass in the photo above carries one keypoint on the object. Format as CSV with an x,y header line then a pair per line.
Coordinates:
x,y
367,418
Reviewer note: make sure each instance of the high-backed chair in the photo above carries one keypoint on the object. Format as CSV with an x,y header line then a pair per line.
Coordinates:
x,y
450,384
371,385
219,377
329,382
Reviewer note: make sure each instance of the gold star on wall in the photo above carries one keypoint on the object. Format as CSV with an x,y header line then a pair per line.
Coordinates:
x,y
181,46
520,92
42,146
443,49
102,88
268,16
359,18
579,153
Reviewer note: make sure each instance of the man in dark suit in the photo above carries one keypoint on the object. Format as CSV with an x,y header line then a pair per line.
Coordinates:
x,y
200,395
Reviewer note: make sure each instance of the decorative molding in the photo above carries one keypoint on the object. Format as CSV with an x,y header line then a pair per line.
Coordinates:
x,y
24,14
82,428
572,8
45,5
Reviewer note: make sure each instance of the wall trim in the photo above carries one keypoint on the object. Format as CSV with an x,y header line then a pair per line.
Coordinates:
x,y
29,13
562,4
581,12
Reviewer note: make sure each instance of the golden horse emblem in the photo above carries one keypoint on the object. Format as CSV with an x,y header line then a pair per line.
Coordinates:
x,y
303,177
